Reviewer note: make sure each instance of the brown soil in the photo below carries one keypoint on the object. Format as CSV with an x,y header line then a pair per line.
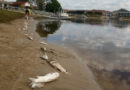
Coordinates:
x,y
20,60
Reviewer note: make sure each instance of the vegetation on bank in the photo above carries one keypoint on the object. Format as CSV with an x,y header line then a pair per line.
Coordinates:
x,y
54,6
92,15
6,16
127,18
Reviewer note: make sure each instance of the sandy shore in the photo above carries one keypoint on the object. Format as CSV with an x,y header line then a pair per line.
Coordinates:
x,y
20,60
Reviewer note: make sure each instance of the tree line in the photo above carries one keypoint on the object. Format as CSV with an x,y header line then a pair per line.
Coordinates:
x,y
52,6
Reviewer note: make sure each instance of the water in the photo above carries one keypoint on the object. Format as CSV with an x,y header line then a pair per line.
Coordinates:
x,y
103,45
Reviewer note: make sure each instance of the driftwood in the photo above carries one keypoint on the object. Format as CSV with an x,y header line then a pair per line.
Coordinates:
x,y
40,80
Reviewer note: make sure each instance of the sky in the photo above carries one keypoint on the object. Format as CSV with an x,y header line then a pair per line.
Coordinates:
x,y
94,4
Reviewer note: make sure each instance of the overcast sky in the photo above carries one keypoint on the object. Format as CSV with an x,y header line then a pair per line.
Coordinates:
x,y
94,4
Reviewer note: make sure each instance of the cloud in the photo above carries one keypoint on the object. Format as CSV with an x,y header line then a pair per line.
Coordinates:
x,y
95,4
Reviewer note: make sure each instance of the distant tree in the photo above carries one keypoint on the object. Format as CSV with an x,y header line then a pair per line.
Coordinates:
x,y
54,6
22,0
40,4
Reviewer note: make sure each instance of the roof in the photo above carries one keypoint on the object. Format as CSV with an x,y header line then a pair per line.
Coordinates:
x,y
102,11
18,3
121,10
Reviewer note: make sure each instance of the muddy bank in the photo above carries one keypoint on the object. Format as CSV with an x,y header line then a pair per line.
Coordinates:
x,y
20,60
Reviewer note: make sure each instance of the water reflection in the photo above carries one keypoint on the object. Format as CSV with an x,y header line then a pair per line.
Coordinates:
x,y
114,23
121,75
120,24
112,80
104,46
46,28
91,22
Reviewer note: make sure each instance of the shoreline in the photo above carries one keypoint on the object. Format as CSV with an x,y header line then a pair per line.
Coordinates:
x,y
20,60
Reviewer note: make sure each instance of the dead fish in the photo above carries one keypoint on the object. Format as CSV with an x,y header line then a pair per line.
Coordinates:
x,y
40,80
23,28
43,43
26,27
29,37
43,49
58,66
45,57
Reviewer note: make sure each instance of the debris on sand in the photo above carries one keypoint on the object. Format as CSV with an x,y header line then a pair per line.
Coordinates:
x,y
43,49
56,65
43,43
45,57
39,81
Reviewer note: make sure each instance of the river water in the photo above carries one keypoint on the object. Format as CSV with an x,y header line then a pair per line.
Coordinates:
x,y
103,45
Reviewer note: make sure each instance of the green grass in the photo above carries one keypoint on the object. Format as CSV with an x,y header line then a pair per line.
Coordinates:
x,y
7,16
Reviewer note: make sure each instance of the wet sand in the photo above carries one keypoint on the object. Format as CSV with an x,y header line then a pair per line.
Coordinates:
x,y
20,60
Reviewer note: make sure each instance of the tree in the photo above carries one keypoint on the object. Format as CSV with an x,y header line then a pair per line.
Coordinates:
x,y
54,6
40,4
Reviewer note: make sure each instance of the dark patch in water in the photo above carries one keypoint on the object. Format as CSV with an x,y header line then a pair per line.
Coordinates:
x,y
44,29
123,75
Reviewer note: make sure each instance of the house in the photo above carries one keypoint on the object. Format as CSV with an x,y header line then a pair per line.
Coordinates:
x,y
4,4
98,12
22,4
78,12
121,13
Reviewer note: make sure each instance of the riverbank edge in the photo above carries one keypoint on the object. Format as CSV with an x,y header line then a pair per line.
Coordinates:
x,y
79,78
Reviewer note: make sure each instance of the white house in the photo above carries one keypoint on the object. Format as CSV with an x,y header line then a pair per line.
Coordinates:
x,y
4,4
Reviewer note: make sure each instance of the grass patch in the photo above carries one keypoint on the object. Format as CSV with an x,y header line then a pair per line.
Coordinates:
x,y
6,16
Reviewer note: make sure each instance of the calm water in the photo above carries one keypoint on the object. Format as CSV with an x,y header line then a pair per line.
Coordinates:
x,y
103,45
